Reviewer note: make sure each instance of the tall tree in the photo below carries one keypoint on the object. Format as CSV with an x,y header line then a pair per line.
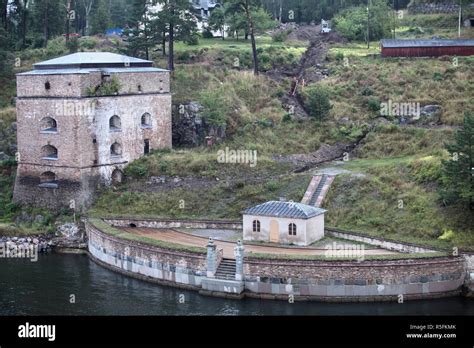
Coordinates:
x,y
458,172
246,7
100,18
180,23
217,21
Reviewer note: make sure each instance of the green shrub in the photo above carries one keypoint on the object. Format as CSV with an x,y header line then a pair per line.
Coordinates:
x,y
281,35
367,91
193,40
136,169
316,101
111,87
373,104
339,56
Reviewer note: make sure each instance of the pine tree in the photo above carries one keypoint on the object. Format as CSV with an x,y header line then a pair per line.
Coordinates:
x,y
100,19
458,172
180,23
246,7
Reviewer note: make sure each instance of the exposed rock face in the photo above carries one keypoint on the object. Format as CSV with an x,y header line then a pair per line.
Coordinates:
x,y
190,129
69,230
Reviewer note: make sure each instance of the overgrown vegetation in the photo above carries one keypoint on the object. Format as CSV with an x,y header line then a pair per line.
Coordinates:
x,y
106,88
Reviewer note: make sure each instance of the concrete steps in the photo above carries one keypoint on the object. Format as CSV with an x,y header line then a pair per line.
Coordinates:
x,y
317,190
226,270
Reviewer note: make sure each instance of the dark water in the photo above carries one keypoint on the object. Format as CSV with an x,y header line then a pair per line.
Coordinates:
x,y
45,287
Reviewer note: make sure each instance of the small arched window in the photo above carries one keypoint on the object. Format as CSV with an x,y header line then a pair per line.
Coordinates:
x,y
48,180
292,229
146,120
117,176
256,226
49,152
115,124
116,149
49,125
47,85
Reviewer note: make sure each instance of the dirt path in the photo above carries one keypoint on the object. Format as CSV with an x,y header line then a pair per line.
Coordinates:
x,y
228,247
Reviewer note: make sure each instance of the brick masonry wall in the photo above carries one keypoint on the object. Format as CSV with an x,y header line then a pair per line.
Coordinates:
x,y
179,268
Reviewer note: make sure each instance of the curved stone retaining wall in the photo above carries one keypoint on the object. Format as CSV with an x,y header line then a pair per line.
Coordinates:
x,y
380,242
161,265
175,223
368,280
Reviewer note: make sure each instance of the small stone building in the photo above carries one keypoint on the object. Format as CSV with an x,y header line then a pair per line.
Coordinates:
x,y
284,223
81,119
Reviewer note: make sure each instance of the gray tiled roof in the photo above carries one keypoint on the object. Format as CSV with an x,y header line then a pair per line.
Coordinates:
x,y
93,60
284,209
88,71
426,43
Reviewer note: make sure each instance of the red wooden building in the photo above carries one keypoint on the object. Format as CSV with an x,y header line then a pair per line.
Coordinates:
x,y
427,48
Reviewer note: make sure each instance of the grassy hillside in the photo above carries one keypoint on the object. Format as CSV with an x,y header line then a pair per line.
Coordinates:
x,y
391,164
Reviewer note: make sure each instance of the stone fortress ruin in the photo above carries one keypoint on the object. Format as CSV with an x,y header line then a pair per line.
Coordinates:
x,y
81,119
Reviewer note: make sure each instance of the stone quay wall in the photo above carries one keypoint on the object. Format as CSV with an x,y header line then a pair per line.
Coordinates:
x,y
160,265
354,281
268,278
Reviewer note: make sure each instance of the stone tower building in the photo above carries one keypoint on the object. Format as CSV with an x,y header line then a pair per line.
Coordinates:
x,y
81,119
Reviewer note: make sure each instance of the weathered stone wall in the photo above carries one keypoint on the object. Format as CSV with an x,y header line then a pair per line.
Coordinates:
x,y
172,223
380,242
83,137
77,84
179,268
366,280
73,184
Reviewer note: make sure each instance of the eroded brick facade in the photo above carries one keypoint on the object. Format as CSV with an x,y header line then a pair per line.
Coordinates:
x,y
68,146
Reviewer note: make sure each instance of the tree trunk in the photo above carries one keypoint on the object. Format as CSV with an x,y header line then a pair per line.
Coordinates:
x,y
171,47
5,14
25,18
68,14
45,25
163,43
252,38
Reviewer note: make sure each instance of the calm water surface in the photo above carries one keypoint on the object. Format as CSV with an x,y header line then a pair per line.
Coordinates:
x,y
45,288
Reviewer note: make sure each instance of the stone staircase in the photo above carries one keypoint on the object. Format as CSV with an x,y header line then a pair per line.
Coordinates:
x,y
317,190
226,270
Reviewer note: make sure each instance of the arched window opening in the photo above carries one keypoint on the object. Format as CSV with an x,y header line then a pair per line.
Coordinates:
x,y
292,229
49,152
115,124
49,125
146,120
48,180
47,85
116,149
117,176
256,226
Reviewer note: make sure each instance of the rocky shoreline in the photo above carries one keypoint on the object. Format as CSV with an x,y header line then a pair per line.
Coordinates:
x,y
69,237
